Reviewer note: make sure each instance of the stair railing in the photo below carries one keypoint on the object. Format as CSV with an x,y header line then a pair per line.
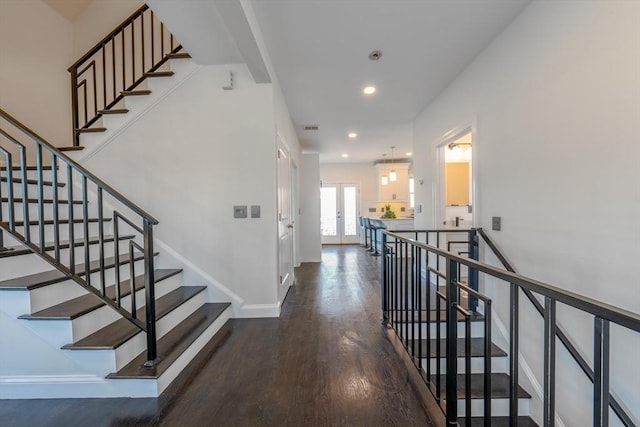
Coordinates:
x,y
402,305
562,336
18,140
119,62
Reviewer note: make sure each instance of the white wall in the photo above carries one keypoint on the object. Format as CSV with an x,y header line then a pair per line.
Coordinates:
x,y
188,161
555,103
98,20
310,243
35,51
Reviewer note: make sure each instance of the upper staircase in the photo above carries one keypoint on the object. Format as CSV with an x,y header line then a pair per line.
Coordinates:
x,y
90,309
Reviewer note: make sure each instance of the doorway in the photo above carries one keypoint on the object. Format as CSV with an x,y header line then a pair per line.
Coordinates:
x,y
456,199
339,210
285,221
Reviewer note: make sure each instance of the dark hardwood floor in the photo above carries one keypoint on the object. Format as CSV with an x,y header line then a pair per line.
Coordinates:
x,y
325,362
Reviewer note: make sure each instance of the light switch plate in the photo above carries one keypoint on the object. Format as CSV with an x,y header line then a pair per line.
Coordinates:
x,y
240,211
255,211
496,223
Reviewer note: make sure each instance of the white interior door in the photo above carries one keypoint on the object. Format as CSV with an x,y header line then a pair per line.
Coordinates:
x,y
340,207
285,222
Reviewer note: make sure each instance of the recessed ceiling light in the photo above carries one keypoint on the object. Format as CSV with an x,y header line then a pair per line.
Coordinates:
x,y
408,154
369,90
352,135
345,155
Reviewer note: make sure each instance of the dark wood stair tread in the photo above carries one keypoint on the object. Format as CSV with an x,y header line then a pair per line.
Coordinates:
x,y
32,181
45,278
47,201
159,74
499,386
135,92
175,342
114,111
497,422
477,348
413,316
71,148
84,304
64,244
178,55
117,333
91,130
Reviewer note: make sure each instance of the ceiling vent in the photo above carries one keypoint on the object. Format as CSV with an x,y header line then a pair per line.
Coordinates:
x,y
311,127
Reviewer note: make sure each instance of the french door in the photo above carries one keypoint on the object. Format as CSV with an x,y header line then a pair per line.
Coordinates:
x,y
340,206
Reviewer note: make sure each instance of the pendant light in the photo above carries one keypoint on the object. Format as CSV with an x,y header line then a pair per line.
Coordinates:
x,y
392,175
384,180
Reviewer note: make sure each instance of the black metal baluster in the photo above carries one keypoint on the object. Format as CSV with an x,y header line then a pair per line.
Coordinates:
x,y
70,215
452,341
103,284
549,361
601,372
40,198
385,260
428,310
487,362
405,274
85,226
149,282
419,297
413,304
25,193
438,296
514,324
132,275
56,219
116,256
10,199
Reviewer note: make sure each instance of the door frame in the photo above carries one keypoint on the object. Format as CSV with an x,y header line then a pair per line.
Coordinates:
x,y
439,195
284,279
358,210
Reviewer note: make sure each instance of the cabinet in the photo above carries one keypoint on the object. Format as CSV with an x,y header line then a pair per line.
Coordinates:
x,y
396,191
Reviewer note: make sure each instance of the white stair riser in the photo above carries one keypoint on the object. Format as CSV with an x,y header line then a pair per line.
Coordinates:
x,y
57,293
126,353
499,407
498,365
63,229
17,266
186,357
94,252
87,386
48,211
108,361
91,322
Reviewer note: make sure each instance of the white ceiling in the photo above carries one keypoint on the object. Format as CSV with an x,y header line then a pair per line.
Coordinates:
x,y
319,50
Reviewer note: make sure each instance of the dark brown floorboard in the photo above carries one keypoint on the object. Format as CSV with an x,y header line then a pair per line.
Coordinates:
x,y
324,362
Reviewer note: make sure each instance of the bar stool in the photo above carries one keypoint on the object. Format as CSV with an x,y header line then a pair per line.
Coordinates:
x,y
376,225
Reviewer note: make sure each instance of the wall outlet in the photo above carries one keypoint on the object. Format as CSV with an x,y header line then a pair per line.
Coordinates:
x,y
255,211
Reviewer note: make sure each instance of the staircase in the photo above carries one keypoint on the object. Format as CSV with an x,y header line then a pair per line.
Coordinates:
x,y
74,284
88,307
431,302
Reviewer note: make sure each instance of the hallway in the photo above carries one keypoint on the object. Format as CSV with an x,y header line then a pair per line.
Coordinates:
x,y
324,362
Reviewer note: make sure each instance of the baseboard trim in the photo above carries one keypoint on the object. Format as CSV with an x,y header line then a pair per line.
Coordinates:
x,y
252,311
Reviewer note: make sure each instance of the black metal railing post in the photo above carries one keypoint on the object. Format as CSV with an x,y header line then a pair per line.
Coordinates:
x,y
149,281
384,281
601,373
451,387
473,273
